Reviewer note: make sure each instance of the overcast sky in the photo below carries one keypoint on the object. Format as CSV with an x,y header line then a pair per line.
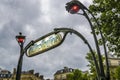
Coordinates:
x,y
35,18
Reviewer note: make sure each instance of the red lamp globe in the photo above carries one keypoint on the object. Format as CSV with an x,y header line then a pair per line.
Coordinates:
x,y
20,40
74,9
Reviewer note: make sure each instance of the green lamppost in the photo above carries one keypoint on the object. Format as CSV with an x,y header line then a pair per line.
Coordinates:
x,y
20,39
73,7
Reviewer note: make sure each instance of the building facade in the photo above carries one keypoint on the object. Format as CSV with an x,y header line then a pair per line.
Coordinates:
x,y
25,75
62,74
114,62
5,74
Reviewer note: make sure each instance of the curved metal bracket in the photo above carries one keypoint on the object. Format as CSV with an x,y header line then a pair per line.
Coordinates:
x,y
68,30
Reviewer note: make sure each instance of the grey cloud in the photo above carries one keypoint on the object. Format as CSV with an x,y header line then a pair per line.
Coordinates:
x,y
14,15
26,16
20,10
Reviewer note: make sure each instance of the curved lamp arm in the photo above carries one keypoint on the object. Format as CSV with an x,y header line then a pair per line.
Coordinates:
x,y
103,39
104,46
97,46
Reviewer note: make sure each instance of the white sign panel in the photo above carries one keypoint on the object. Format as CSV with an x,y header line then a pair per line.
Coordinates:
x,y
45,44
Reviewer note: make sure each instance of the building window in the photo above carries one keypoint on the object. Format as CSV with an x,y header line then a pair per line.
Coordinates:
x,y
1,76
118,62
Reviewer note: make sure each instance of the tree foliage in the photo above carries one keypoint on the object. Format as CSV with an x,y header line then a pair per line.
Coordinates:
x,y
70,76
91,65
107,13
117,73
77,75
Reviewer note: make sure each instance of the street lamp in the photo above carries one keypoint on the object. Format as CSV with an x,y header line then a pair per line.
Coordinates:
x,y
21,40
73,7
54,39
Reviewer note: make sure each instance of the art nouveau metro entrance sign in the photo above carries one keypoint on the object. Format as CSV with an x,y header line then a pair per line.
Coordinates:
x,y
44,43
